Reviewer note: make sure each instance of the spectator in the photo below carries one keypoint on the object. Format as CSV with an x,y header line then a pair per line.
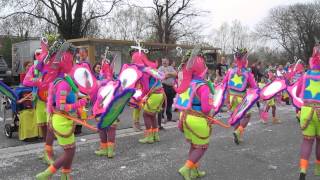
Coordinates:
x,y
168,84
27,119
173,64
270,68
96,70
256,71
232,65
221,67
26,66
83,56
220,70
210,75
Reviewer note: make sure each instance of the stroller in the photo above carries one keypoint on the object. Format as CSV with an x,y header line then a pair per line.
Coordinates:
x,y
22,104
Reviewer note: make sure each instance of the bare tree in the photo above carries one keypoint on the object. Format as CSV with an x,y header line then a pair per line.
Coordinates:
x,y
171,19
20,26
270,55
240,35
93,29
128,24
228,37
72,18
190,34
295,28
24,26
221,37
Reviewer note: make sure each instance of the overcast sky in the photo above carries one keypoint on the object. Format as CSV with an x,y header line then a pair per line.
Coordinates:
x,y
249,12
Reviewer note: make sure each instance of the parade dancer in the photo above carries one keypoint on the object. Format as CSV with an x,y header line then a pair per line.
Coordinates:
x,y
62,102
107,136
238,79
152,97
296,71
309,91
39,76
193,100
270,104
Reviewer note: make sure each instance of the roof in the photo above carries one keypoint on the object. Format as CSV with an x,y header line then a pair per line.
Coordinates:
x,y
129,43
2,36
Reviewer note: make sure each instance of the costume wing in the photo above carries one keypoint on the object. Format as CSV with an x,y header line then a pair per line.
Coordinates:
x,y
129,75
115,108
273,88
248,101
292,91
83,78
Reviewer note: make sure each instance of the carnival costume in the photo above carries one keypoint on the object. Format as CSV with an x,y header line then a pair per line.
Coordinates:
x,y
308,90
153,98
108,135
39,76
151,95
271,103
295,72
193,97
62,100
238,79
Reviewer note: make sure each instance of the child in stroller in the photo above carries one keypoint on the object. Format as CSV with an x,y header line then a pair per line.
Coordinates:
x,y
23,117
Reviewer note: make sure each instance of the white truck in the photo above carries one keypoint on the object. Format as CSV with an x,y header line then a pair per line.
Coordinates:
x,y
22,52
5,73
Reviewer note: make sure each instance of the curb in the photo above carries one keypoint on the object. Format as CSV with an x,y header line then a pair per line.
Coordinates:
x,y
10,152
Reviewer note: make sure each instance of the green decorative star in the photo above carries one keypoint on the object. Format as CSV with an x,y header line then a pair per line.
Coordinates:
x,y
185,96
236,79
314,88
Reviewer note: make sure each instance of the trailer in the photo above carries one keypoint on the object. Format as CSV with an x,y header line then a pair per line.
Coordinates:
x,y
22,52
4,69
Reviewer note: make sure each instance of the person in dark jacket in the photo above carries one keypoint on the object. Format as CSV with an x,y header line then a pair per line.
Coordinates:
x,y
256,71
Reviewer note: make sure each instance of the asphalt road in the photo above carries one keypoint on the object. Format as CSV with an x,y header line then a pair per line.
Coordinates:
x,y
270,152
125,117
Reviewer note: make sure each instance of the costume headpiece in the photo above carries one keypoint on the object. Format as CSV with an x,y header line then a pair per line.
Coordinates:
x,y
241,57
139,57
195,67
56,53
